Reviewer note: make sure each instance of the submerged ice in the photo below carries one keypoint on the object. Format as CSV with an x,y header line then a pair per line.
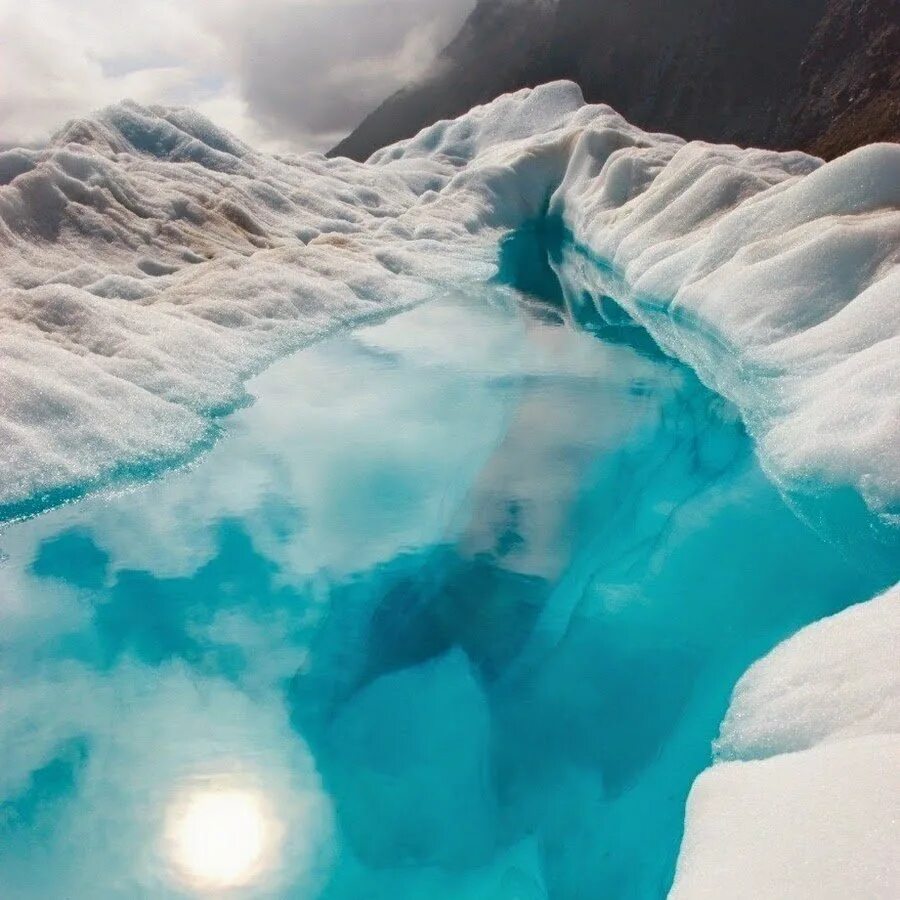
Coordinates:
x,y
477,656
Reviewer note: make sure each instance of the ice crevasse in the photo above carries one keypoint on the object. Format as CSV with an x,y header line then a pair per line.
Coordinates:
x,y
150,263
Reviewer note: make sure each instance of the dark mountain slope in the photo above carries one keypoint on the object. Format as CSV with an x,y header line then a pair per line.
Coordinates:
x,y
850,80
823,75
500,48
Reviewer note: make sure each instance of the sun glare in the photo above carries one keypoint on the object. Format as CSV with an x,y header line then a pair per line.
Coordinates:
x,y
218,837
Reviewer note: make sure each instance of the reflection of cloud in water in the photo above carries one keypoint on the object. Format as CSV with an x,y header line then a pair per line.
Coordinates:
x,y
523,501
314,473
157,741
321,484
568,403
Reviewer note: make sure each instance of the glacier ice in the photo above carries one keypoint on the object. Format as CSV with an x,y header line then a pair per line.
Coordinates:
x,y
804,798
150,264
822,823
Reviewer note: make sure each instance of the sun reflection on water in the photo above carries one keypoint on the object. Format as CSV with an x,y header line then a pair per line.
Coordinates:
x,y
221,836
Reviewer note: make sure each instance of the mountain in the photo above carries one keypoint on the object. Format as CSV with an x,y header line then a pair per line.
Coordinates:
x,y
818,75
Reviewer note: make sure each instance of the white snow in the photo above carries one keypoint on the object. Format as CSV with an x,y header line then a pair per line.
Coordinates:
x,y
836,679
805,801
140,289
817,825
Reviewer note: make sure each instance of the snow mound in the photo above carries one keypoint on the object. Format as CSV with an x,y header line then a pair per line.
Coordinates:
x,y
836,679
805,801
821,824
777,280
151,263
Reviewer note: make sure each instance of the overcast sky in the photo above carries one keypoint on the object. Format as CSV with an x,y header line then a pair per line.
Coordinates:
x,y
282,74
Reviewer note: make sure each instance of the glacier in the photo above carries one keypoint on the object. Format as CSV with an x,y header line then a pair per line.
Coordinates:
x,y
150,264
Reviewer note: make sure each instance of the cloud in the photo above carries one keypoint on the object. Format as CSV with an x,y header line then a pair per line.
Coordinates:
x,y
320,67
283,74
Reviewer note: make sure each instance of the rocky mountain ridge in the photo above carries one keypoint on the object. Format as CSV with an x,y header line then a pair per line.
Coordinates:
x,y
818,75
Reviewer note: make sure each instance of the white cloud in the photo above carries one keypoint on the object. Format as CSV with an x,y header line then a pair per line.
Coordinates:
x,y
280,73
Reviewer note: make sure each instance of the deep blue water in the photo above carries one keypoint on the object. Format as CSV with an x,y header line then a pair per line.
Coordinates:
x,y
453,610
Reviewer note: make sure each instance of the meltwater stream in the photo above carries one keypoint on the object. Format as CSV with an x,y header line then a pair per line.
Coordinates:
x,y
452,611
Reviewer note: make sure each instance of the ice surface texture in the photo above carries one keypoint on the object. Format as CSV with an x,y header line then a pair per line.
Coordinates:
x,y
806,799
150,262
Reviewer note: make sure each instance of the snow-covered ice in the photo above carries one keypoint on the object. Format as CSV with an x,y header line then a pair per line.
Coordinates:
x,y
805,800
151,262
